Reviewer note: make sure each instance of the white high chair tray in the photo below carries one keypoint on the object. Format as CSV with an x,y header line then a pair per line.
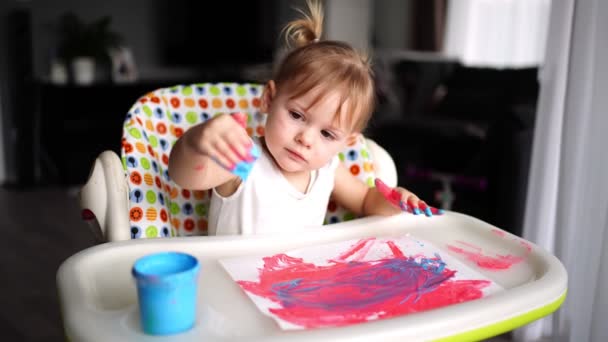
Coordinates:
x,y
99,299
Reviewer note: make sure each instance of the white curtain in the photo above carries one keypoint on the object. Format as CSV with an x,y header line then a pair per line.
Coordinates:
x,y
567,203
497,33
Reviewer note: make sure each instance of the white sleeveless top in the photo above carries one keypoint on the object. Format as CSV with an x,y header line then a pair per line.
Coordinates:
x,y
266,202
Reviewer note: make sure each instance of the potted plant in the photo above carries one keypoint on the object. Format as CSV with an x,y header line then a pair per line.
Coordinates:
x,y
84,46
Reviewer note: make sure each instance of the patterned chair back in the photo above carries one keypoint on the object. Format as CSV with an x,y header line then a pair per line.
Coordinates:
x,y
159,207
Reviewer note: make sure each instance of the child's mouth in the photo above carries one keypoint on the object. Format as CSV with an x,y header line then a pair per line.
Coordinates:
x,y
296,156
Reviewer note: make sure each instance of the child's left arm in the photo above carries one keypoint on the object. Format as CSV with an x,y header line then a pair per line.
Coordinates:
x,y
356,196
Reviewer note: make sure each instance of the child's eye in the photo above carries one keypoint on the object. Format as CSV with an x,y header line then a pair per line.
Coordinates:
x,y
328,135
295,115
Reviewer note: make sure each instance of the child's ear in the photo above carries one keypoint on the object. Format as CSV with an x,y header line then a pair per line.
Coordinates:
x,y
270,91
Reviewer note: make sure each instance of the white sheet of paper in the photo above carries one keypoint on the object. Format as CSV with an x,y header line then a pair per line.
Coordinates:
x,y
374,249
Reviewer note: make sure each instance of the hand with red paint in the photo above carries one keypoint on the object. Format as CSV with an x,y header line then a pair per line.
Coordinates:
x,y
224,139
406,200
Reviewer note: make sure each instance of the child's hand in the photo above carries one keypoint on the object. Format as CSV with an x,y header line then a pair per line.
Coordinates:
x,y
409,202
224,139
406,200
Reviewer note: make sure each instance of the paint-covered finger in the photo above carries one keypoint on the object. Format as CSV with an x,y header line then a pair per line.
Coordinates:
x,y
437,211
222,161
230,155
241,118
407,208
247,148
227,153
404,207
412,201
240,152
236,144
425,208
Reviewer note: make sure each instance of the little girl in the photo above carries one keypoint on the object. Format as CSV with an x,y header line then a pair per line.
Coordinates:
x,y
320,99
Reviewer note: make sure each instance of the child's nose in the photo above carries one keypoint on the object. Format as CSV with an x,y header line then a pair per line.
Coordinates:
x,y
305,137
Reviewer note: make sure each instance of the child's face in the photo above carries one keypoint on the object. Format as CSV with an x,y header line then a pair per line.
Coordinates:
x,y
300,134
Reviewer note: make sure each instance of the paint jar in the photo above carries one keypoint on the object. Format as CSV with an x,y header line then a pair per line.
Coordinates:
x,y
167,284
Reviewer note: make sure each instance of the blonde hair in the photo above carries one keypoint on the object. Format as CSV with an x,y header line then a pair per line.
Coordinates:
x,y
327,65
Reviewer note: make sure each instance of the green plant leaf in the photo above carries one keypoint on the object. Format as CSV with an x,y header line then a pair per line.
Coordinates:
x,y
93,39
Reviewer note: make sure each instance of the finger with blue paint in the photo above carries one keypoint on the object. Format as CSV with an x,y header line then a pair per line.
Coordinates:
x,y
405,200
430,211
227,143
421,207
412,201
243,168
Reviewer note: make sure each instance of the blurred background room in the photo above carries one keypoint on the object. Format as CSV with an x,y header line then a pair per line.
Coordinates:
x,y
459,107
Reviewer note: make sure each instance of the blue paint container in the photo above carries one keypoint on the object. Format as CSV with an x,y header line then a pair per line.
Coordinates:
x,y
166,289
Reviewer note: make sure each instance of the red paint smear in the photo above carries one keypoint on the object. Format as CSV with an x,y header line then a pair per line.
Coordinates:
x,y
383,188
389,194
470,245
526,245
358,248
351,292
499,232
241,118
522,242
395,249
498,262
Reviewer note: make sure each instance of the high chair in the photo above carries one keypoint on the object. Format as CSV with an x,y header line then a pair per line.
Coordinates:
x,y
133,196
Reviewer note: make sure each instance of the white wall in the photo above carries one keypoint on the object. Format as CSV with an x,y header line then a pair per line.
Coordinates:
x,y
391,24
349,21
499,34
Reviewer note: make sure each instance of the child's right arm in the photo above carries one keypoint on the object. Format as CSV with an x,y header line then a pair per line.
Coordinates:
x,y
201,158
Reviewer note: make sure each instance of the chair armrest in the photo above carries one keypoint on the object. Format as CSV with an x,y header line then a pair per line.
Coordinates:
x,y
104,199
384,166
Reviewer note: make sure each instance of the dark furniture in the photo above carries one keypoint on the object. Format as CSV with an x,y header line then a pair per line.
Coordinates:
x,y
74,124
473,125
77,123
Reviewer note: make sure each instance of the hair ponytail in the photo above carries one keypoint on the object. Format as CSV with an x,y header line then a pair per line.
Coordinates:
x,y
307,29
327,66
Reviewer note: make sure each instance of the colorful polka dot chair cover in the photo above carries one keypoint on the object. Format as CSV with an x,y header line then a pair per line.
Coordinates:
x,y
160,208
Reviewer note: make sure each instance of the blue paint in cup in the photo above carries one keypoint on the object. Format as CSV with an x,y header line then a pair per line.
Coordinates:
x,y
166,289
